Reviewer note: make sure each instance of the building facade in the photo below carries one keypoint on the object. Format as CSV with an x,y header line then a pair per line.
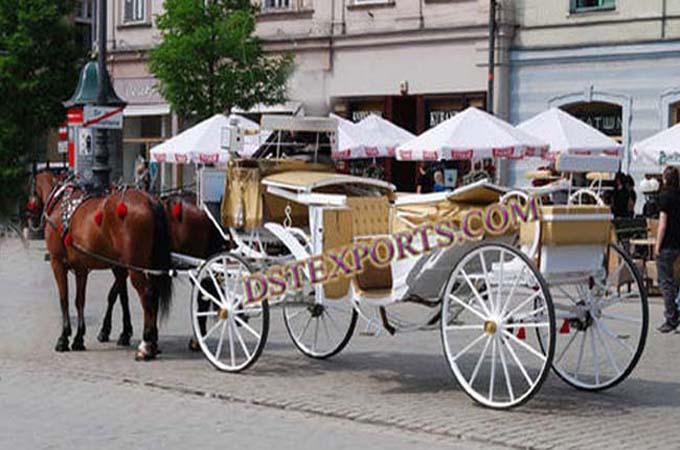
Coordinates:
x,y
613,63
416,62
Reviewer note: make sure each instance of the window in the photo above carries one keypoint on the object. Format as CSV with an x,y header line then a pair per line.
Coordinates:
x,y
134,11
592,5
84,10
371,2
276,5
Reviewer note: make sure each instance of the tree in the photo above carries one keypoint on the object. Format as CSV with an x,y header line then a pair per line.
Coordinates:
x,y
38,71
209,61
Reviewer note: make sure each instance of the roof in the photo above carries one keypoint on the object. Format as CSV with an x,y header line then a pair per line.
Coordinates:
x,y
306,181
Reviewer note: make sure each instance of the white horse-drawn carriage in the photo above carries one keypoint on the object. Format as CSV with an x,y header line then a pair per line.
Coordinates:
x,y
551,292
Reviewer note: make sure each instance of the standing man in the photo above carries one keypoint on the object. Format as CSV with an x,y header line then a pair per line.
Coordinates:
x,y
425,183
667,247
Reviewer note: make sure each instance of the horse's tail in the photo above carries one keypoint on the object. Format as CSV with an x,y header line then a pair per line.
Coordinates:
x,y
161,284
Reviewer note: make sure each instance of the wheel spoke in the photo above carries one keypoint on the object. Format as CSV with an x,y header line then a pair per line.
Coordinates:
x,y
492,376
213,328
508,383
479,361
232,353
205,313
607,349
325,328
531,313
596,359
468,347
526,346
496,304
208,294
244,347
218,289
518,362
580,355
566,347
512,290
521,305
530,325
218,352
334,324
476,292
467,306
464,327
605,329
621,318
486,277
316,334
247,327
304,330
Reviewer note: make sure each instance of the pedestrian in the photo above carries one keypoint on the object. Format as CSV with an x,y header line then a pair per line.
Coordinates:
x,y
424,183
438,185
629,183
620,197
667,247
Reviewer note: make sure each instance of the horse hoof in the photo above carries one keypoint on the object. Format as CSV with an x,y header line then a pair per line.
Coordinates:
x,y
62,345
143,356
193,345
123,340
78,346
103,336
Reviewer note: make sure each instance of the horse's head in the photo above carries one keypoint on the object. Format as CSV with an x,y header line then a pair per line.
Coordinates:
x,y
42,185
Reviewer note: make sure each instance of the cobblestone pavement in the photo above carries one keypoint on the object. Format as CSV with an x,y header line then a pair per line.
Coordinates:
x,y
399,387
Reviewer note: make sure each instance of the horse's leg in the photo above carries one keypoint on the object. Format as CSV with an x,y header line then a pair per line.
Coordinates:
x,y
126,334
61,277
105,331
148,348
78,343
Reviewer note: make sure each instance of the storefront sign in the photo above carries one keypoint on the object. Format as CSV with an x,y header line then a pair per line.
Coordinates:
x,y
608,123
437,117
357,116
138,91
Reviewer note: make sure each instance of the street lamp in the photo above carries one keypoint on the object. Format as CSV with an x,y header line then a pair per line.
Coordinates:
x,y
95,89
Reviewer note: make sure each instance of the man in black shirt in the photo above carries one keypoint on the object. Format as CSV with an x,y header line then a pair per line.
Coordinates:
x,y
667,246
425,182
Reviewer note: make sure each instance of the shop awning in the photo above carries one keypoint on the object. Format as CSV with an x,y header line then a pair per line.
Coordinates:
x,y
471,135
659,150
146,110
567,134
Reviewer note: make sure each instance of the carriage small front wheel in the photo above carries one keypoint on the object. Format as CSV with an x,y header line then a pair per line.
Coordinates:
x,y
230,332
495,298
319,329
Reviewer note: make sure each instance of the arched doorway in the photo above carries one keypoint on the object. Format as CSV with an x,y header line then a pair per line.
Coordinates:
x,y
606,117
675,113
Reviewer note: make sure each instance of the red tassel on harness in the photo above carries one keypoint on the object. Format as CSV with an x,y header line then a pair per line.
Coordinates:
x,y
68,240
521,333
60,229
565,328
32,205
176,210
121,210
99,217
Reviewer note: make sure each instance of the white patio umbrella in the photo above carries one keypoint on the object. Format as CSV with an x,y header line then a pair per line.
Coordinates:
x,y
202,143
567,134
659,150
383,137
351,140
471,135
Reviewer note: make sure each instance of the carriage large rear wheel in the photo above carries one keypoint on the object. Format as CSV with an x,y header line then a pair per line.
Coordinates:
x,y
494,298
603,322
230,332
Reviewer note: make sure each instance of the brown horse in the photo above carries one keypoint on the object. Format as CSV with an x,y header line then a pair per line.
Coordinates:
x,y
123,231
191,233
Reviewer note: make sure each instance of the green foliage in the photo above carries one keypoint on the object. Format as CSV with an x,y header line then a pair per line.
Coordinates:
x,y
38,71
209,60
